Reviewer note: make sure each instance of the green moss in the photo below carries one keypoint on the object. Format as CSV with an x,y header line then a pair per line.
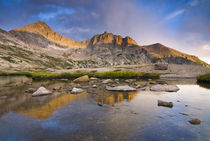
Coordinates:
x,y
111,75
204,78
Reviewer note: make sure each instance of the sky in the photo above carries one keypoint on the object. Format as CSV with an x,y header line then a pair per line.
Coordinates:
x,y
180,24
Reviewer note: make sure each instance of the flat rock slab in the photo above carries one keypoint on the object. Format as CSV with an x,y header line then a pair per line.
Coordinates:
x,y
41,91
76,90
166,88
125,88
84,78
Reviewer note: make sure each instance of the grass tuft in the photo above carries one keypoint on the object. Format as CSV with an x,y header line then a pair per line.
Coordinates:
x,y
104,75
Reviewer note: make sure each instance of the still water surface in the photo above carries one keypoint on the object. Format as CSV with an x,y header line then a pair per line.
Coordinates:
x,y
123,116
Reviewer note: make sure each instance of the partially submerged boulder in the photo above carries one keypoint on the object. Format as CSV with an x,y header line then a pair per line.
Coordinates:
x,y
76,90
41,91
161,66
166,88
125,88
84,78
165,104
195,121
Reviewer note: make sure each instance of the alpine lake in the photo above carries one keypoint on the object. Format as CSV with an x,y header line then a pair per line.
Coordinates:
x,y
97,114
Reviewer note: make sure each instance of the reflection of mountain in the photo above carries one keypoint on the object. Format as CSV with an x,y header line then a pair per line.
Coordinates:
x,y
43,112
115,98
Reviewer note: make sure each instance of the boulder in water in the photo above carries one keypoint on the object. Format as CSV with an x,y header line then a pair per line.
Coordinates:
x,y
41,91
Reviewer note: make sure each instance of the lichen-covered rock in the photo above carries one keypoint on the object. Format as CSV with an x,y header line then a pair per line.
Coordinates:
x,y
41,91
166,88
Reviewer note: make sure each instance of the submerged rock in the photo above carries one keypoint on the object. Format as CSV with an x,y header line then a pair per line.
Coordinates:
x,y
41,91
30,90
165,104
76,90
166,88
84,78
195,121
121,88
107,81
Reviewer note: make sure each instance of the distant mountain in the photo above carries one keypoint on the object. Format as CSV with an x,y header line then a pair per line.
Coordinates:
x,y
41,47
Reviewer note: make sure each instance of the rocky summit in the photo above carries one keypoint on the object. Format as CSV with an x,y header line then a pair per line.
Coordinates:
x,y
37,46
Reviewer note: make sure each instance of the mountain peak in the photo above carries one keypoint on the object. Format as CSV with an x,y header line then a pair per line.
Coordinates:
x,y
43,29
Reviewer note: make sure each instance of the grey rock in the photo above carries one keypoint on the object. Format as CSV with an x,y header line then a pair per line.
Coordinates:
x,y
166,88
120,88
76,90
195,121
42,91
165,104
107,81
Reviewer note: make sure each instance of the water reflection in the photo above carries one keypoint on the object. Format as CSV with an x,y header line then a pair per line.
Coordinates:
x,y
204,85
44,111
135,115
108,98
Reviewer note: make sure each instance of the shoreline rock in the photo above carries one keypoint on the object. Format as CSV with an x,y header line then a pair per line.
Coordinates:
x,y
41,92
84,78
166,88
125,88
76,90
107,81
